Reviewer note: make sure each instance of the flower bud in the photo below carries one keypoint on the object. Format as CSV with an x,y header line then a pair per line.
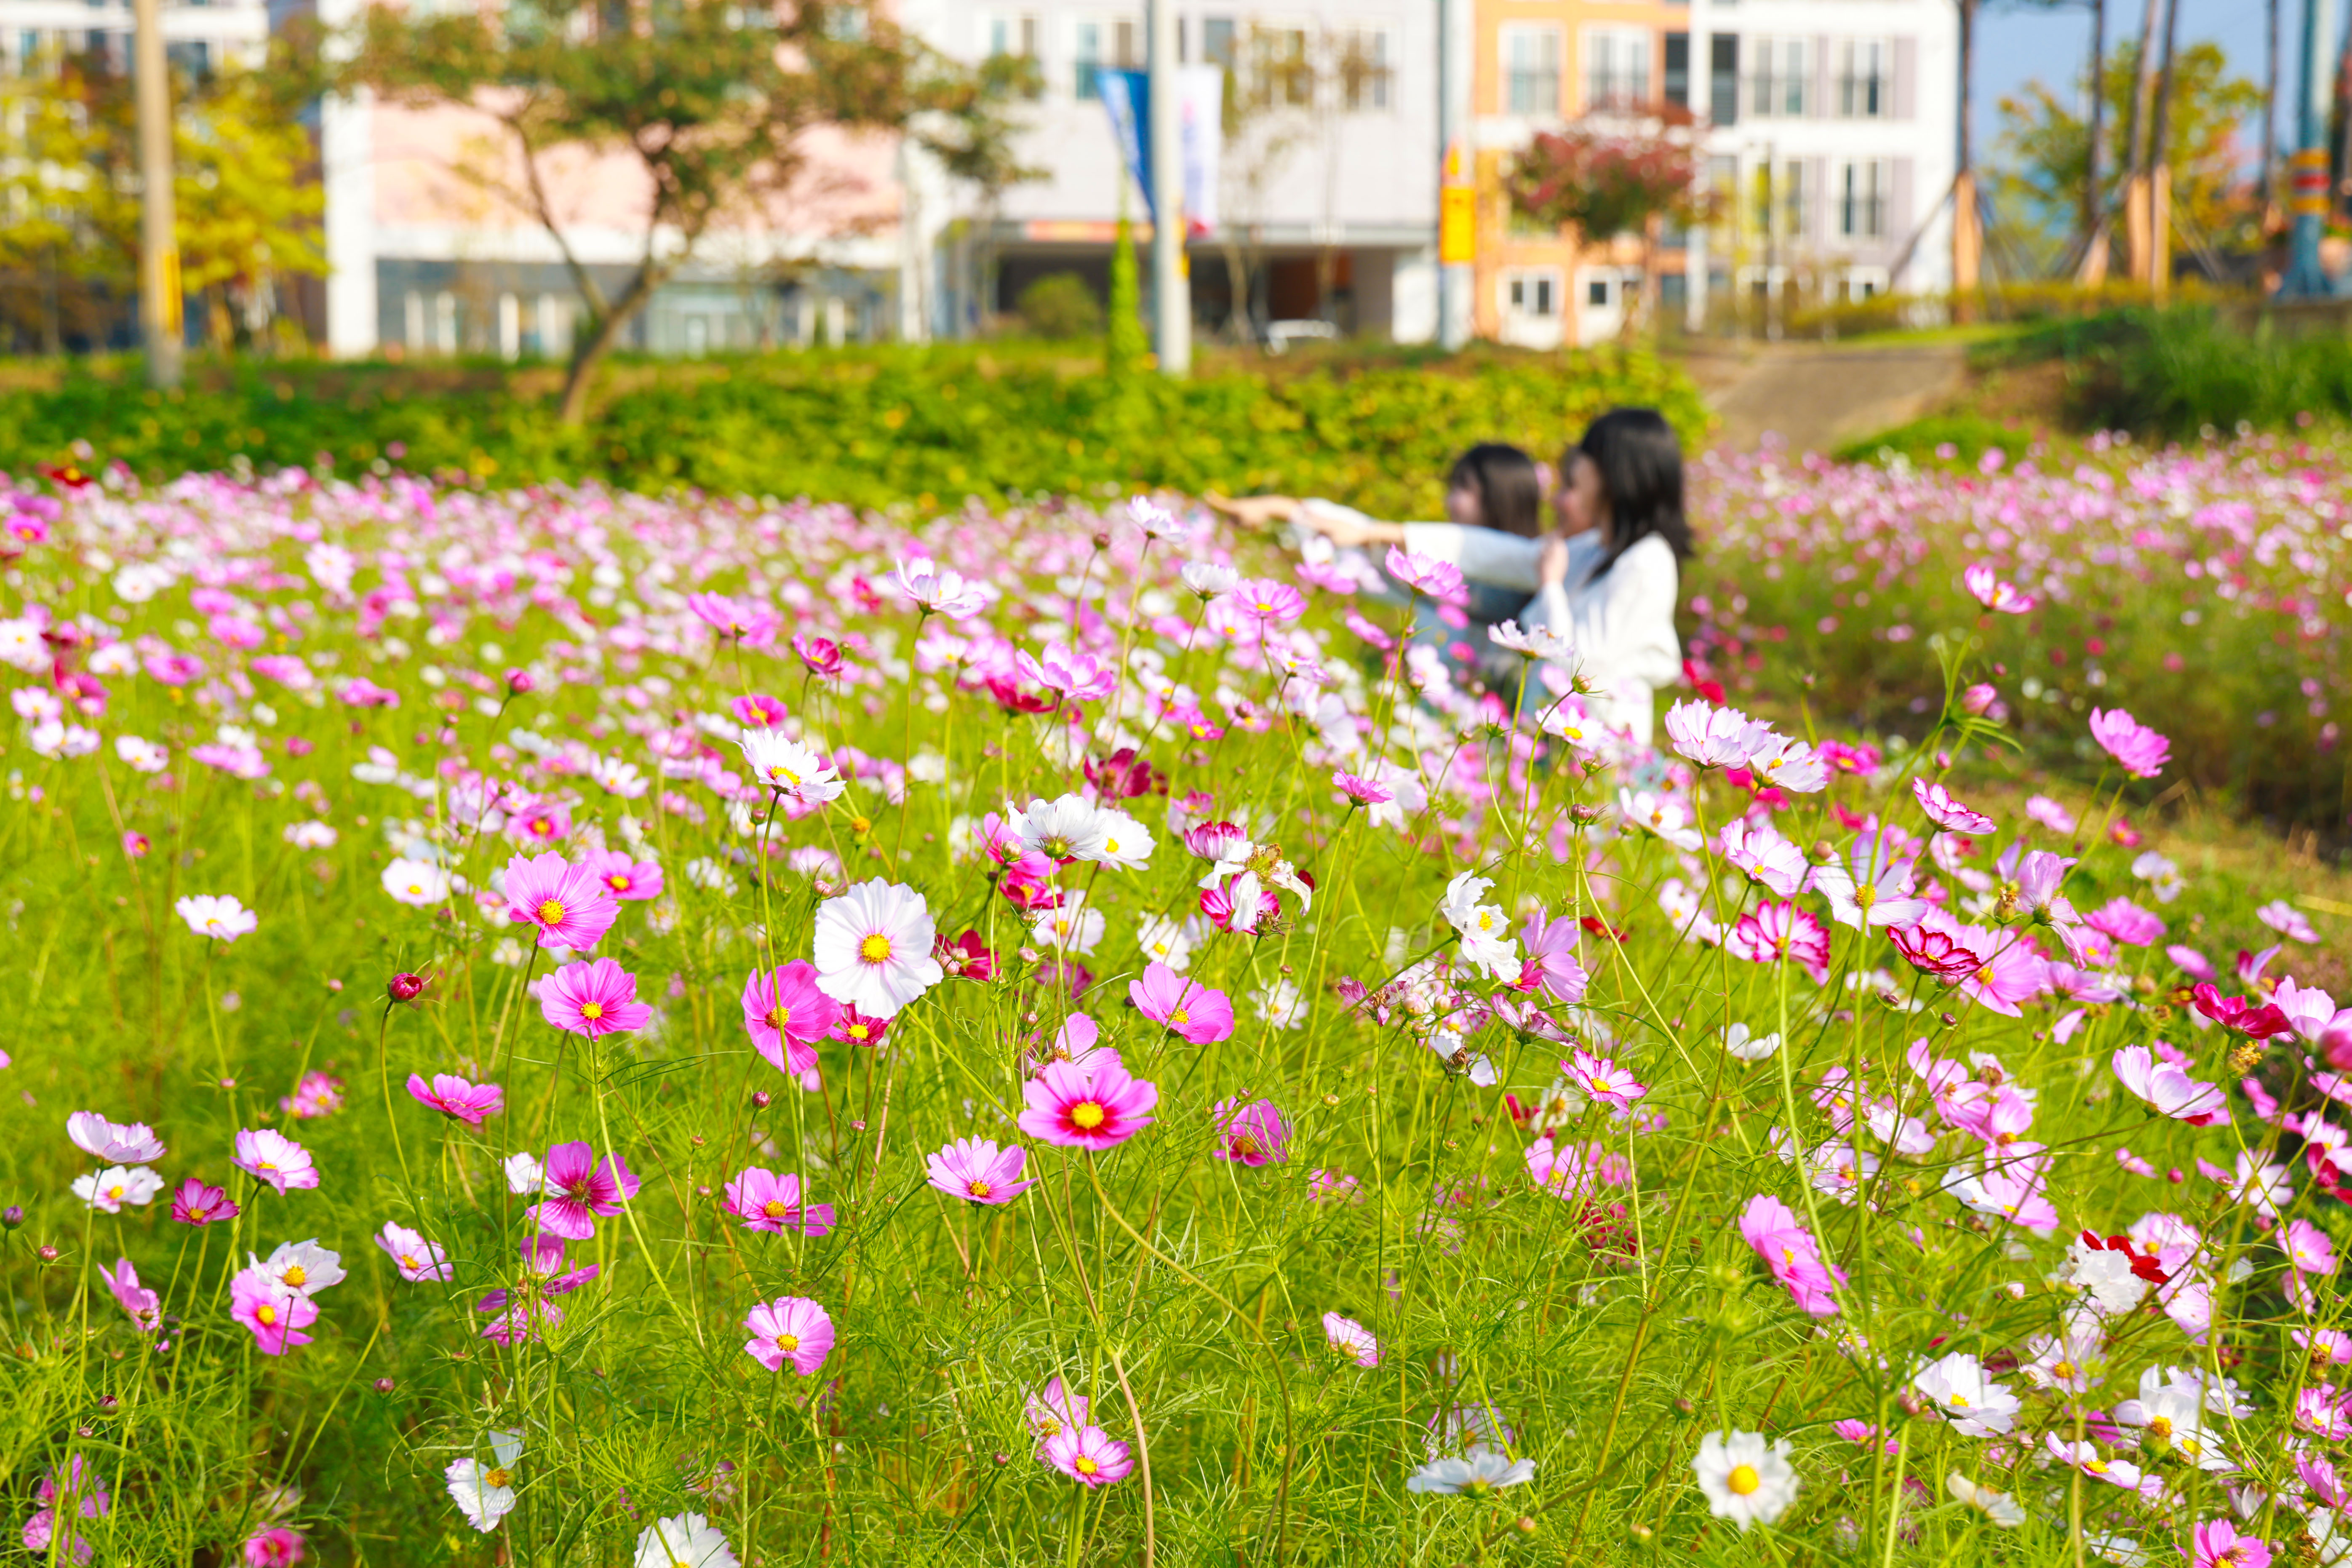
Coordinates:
x,y
1977,698
519,681
47,1254
759,1098
384,1385
13,1215
405,987
1102,540
1526,1525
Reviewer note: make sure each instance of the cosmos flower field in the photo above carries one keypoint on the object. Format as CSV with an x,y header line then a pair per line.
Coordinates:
x,y
562,1027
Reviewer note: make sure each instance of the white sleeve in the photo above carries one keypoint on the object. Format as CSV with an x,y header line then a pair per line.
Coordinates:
x,y
1623,625
1483,555
1335,511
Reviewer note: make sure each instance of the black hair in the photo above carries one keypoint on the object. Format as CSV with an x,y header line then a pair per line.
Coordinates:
x,y
1510,489
1641,465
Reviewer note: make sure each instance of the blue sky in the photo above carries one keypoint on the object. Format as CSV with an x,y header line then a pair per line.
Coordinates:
x,y
2016,45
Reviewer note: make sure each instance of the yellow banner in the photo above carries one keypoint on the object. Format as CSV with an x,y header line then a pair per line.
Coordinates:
x,y
1457,226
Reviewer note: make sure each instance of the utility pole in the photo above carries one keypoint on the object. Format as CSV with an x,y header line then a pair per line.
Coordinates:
x,y
1172,278
2304,279
159,245
1698,97
1458,196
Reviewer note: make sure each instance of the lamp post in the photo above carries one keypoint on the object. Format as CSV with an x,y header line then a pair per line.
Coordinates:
x,y
159,247
1171,281
2306,280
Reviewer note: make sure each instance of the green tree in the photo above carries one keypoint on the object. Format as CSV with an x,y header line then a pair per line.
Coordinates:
x,y
1127,347
714,101
55,153
2041,154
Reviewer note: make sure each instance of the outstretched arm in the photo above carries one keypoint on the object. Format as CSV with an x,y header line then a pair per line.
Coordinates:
x,y
1254,511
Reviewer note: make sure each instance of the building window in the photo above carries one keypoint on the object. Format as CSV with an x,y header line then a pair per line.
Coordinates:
x,y
1616,67
1086,60
1531,71
1864,84
1779,85
1364,71
1677,83
1285,57
1125,52
1015,37
1217,41
1861,199
1532,293
1788,201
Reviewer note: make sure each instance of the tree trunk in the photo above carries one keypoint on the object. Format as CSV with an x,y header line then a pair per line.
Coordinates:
x,y
1968,243
592,351
1237,311
2093,207
2159,160
2136,183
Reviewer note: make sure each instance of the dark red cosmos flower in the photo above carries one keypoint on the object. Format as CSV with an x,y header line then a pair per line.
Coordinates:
x,y
1123,775
1936,955
2143,1264
965,958
1013,699
2256,1021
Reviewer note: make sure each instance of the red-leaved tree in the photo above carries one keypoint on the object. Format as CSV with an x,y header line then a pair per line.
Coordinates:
x,y
1612,173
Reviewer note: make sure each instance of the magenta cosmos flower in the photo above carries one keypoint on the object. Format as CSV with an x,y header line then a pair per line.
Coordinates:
x,y
276,1547
272,1157
1088,1455
2139,749
1082,1110
872,947
1268,599
580,1187
787,1015
1253,1134
625,878
196,1203
1773,932
113,1142
592,999
1201,1016
276,1313
1352,1339
977,1170
568,906
788,1329
1551,962
1599,1077
765,1201
453,1096
1789,1251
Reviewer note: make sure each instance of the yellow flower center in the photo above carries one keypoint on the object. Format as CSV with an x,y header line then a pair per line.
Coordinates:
x,y
1984,976
266,1315
782,774
978,1189
619,883
2062,1369
1086,1466
788,1342
495,1477
1245,1145
874,948
2160,1427
858,1031
2096,1467
1865,895
776,1209
1743,1481
1180,1016
591,1011
296,1276
115,1191
1958,1401
1112,845
551,911
1087,1115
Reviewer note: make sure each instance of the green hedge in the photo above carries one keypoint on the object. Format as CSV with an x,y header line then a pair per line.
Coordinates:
x,y
2180,372
869,428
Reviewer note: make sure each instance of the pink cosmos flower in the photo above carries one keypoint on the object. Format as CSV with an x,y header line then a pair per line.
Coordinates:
x,y
1985,587
1602,1079
2140,750
146,1308
1771,932
624,877
543,1275
820,655
592,999
765,1201
1789,1250
1361,790
276,1313
1253,1134
567,904
2216,1543
196,1203
1054,1411
271,1156
747,621
83,1495
1080,1109
1201,1016
1875,891
1935,952
1713,737
1265,599
1352,1339
855,1028
581,1187
872,947
1945,809
318,1094
1757,849
1088,1455
759,711
1424,573
113,1142
453,1096
417,1259
2125,921
787,1015
977,1170
2167,1090
790,1328
1061,668
274,1547
1551,964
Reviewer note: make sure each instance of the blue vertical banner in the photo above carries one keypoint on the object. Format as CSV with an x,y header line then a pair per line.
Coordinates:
x,y
1128,96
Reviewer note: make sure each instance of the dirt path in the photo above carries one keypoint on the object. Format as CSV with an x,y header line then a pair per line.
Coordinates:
x,y
1816,396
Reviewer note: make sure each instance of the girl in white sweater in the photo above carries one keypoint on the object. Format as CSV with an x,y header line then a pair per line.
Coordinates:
x,y
1605,580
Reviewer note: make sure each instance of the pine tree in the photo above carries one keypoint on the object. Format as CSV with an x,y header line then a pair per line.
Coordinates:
x,y
1127,349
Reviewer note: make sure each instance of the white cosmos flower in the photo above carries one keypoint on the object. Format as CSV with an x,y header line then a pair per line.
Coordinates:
x,y
1476,1473
781,763
1166,940
526,1178
683,1541
872,948
1749,1047
1746,1481
419,884
1072,927
1067,828
1208,580
1956,1386
1124,842
302,1266
141,756
1999,1507
109,1190
485,1493
1535,642
310,835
